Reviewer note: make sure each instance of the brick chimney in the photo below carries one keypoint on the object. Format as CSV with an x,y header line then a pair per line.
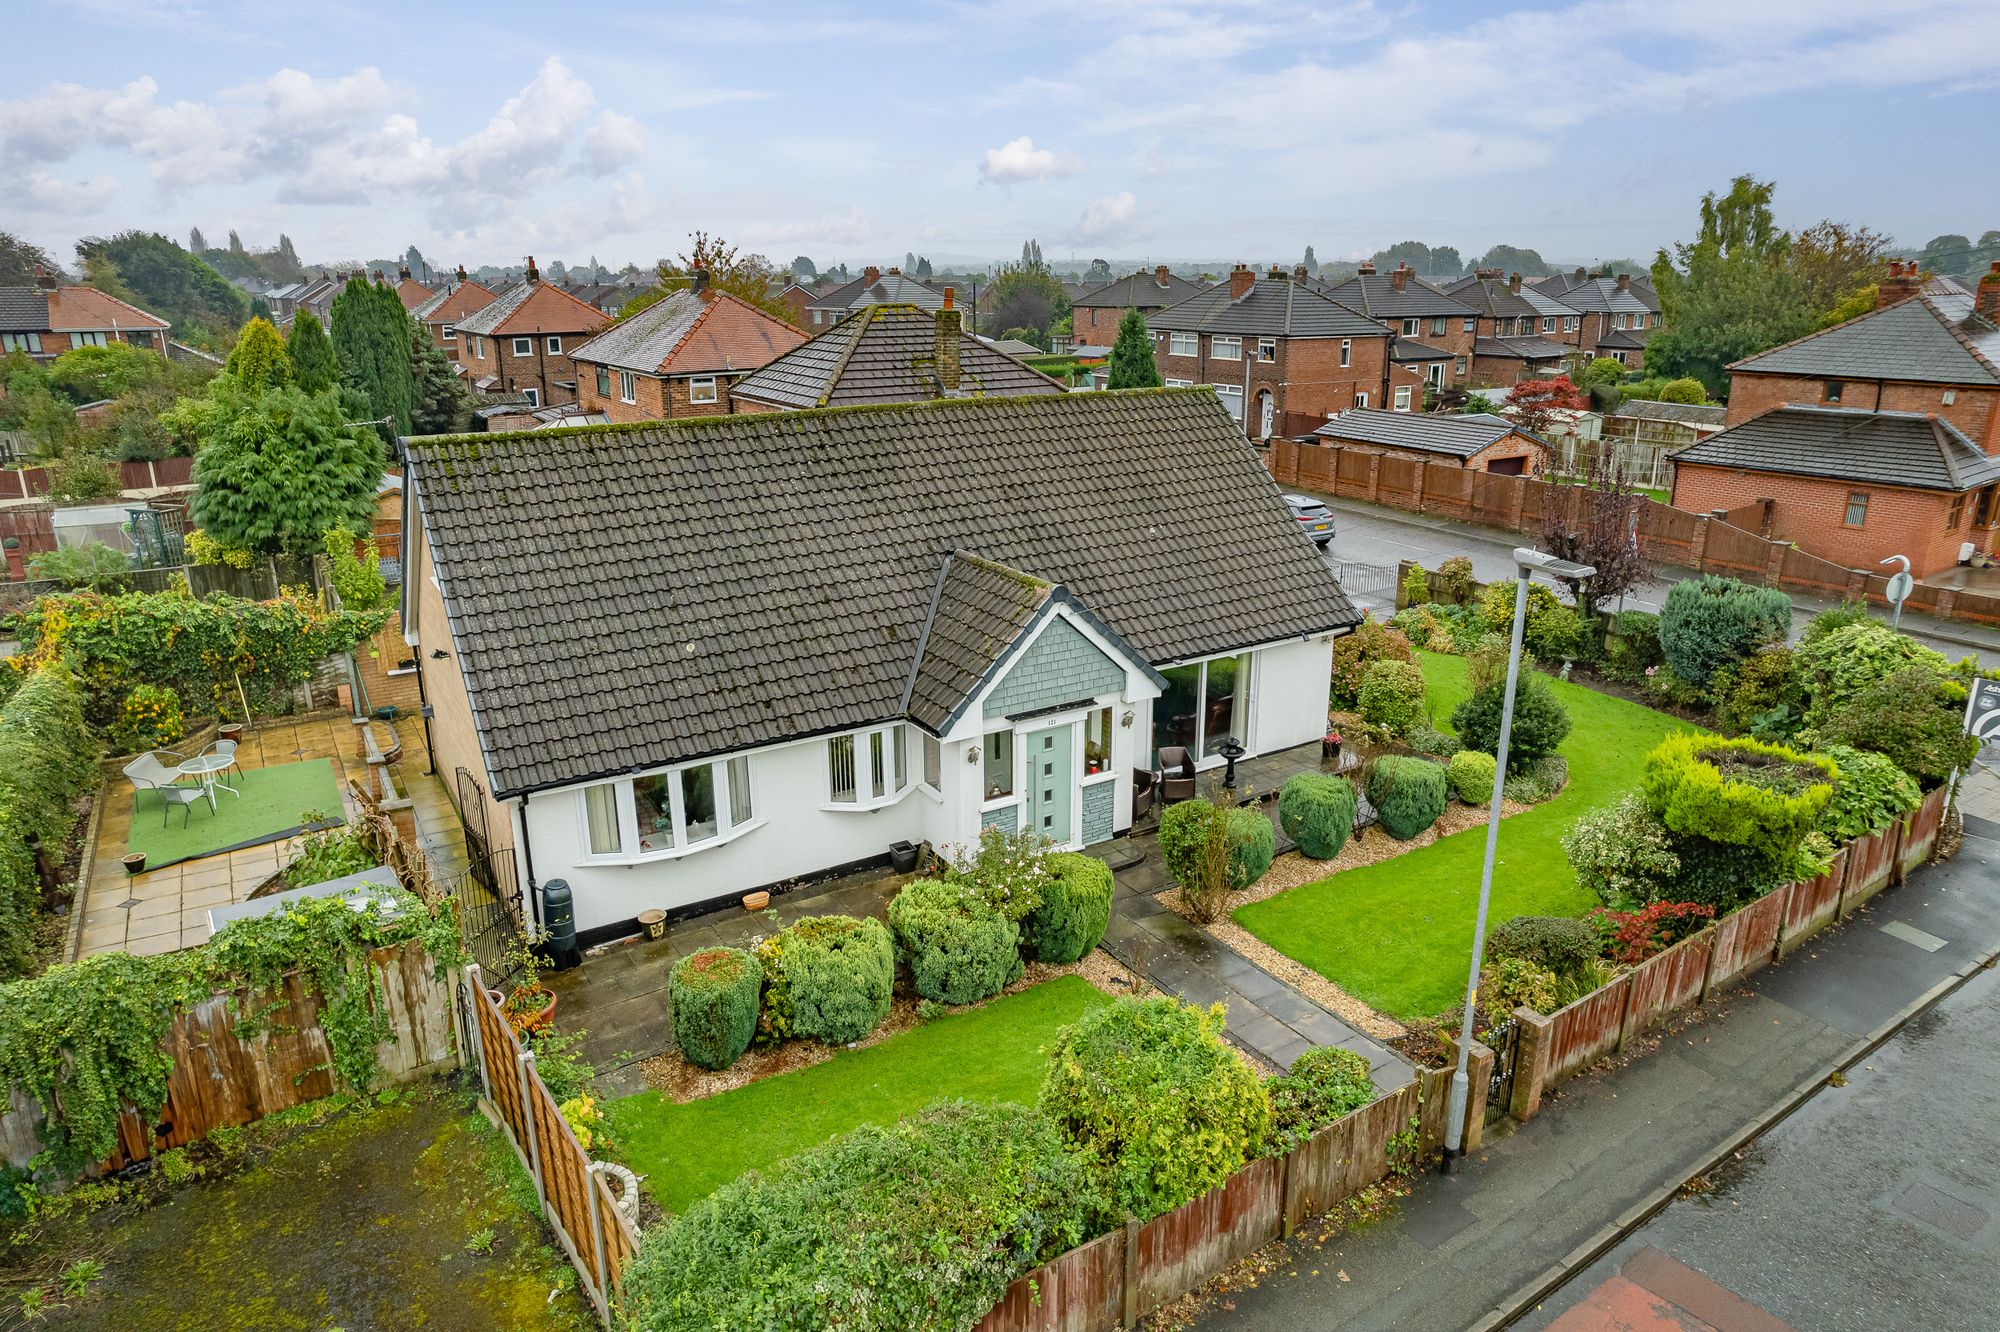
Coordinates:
x,y
1899,286
1365,268
698,284
461,275
44,279
1486,274
534,274
1580,275
870,276
1624,282
1299,273
1278,274
1986,300
1160,275
1399,276
895,272
403,273
379,277
1241,279
1514,282
947,343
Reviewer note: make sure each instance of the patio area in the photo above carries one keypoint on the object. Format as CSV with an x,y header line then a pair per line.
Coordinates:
x,y
164,909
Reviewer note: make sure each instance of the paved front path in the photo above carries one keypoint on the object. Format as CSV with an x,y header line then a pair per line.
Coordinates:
x,y
1464,1242
1266,1016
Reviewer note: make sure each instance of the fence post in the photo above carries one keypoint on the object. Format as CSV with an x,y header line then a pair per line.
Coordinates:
x,y
476,994
1531,1063
1897,842
1285,1192
1417,500
1374,476
1129,1312
593,1186
526,1069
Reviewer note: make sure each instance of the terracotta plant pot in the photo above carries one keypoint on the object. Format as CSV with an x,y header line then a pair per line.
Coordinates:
x,y
536,1019
135,862
230,731
756,901
654,922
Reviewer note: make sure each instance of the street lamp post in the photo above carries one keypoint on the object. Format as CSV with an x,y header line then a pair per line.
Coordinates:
x,y
1527,563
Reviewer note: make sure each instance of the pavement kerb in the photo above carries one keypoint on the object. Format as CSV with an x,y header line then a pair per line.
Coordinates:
x,y
1524,1298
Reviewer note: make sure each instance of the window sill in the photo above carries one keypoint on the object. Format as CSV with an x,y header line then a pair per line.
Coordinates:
x,y
674,853
1095,778
867,806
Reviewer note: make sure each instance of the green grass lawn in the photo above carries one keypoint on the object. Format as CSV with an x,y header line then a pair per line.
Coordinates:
x,y
1398,934
266,807
993,1053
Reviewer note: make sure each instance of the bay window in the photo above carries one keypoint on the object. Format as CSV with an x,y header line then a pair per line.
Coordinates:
x,y
666,813
868,768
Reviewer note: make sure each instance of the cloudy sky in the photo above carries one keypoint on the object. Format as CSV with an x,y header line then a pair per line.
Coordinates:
x,y
1135,129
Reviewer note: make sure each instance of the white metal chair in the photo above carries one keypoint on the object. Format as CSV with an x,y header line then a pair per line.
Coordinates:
x,y
226,748
147,773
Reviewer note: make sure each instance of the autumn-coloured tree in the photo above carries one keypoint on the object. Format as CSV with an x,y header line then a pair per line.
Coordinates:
x,y
1534,402
744,276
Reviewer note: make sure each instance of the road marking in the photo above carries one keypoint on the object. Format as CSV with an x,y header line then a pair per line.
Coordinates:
x,y
1910,934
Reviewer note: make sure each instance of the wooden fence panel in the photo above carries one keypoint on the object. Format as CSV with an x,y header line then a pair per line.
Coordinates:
x,y
1082,1290
1448,492
1732,550
1870,860
1747,940
1813,903
1921,834
1667,533
1396,481
1810,573
1182,1249
1353,471
1587,1029
1666,983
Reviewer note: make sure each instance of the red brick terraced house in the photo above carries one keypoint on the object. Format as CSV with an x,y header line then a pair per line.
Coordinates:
x,y
679,357
521,340
1280,354
1510,343
1094,316
441,314
1619,315
1868,439
46,320
1435,331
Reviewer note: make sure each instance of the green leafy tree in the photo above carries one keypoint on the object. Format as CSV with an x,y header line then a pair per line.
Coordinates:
x,y
1508,259
1098,272
1311,262
1601,370
744,276
443,405
18,258
803,268
371,337
1132,363
197,243
92,374
160,276
315,365
259,360
281,468
1028,298
1857,303
1031,257
1445,262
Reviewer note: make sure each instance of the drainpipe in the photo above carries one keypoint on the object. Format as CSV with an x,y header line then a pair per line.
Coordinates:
x,y
530,891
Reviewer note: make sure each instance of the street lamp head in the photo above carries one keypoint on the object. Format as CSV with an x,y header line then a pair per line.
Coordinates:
x,y
1530,561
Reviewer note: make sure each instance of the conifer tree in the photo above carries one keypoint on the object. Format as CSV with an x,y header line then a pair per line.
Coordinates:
x,y
259,360
371,336
442,404
280,469
1132,364
315,368
196,241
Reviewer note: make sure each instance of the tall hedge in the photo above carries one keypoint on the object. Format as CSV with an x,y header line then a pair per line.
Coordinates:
x,y
48,759
1152,1093
1316,810
920,1225
1739,792
1075,908
959,947
1712,621
714,994
1408,794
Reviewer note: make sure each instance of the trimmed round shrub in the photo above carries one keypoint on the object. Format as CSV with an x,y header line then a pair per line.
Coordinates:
x,y
1711,621
1075,908
1453,580
1867,796
1561,634
1439,744
838,974
1408,794
714,994
1541,723
1542,780
960,949
1841,664
1392,695
1760,694
1151,1091
1252,844
919,1225
1325,1083
1513,983
1184,831
1562,944
1471,774
1316,810
1912,718
1740,792
1353,653
1496,607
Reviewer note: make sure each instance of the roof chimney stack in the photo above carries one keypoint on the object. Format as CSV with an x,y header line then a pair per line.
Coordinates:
x,y
1366,268
1399,276
1299,274
1241,279
461,274
698,284
404,273
1624,282
1580,274
379,277
534,274
1486,274
1987,299
1514,282
1160,275
870,276
1278,274
1899,285
947,321
44,279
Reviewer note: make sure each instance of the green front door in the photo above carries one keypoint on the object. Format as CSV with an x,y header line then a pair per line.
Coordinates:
x,y
1051,784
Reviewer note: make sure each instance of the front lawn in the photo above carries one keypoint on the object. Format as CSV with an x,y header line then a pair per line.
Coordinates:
x,y
1397,934
993,1053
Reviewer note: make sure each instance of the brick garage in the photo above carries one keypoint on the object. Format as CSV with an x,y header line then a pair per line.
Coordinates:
x,y
1974,410
1477,442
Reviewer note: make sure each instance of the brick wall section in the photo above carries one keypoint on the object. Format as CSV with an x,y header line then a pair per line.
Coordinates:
x,y
539,370
1062,667
1974,410
1306,379
657,398
1812,512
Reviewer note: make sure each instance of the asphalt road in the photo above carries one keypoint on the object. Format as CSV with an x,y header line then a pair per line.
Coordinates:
x,y
1876,1207
1371,535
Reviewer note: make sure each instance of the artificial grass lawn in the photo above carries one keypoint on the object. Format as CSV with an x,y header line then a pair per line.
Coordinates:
x,y
1397,934
994,1053
268,808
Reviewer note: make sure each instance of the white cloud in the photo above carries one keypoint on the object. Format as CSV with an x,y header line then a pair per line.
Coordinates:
x,y
41,192
852,227
614,141
1108,220
1019,160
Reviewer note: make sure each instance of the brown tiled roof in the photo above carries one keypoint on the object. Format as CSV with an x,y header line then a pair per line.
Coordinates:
x,y
688,334
1927,339
1850,444
412,293
533,307
453,304
885,353
977,611
87,308
626,596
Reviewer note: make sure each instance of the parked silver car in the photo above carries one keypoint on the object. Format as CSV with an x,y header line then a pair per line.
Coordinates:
x,y
1314,517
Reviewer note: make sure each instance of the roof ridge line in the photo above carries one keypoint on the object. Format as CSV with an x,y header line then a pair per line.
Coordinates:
x,y
924,634
864,318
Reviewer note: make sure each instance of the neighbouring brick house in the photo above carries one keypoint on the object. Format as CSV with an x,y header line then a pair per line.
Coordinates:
x,y
46,320
1094,316
521,340
1618,315
1290,352
441,314
1510,342
1475,441
890,353
681,356
873,287
409,291
1870,438
1435,331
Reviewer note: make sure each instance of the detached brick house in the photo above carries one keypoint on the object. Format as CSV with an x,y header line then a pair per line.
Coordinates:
x,y
1520,332
521,340
1292,353
1435,331
1094,316
1877,437
440,315
46,320
681,356
1476,441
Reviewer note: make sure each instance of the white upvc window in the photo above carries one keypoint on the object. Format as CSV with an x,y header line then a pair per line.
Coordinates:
x,y
1267,349
702,389
22,342
88,340
1225,348
1570,323
868,769
1346,352
1180,383
1402,397
1437,328
1548,323
1232,399
1361,400
1184,344
628,386
524,346
1410,327
1472,325
555,346
666,814
478,346
534,396
449,333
